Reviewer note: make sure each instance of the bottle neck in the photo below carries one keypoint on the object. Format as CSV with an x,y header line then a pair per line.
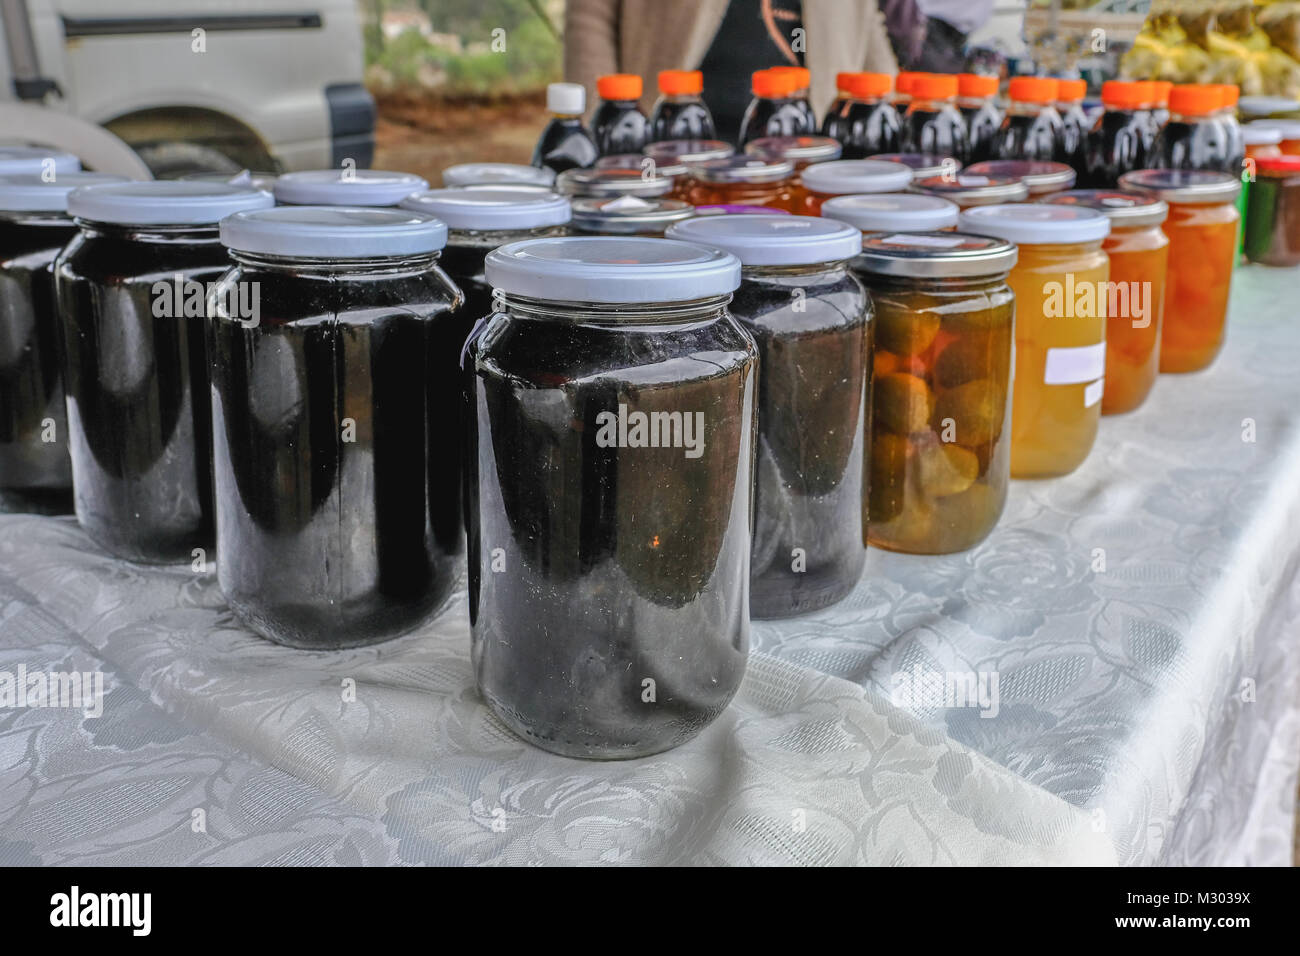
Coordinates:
x,y
599,313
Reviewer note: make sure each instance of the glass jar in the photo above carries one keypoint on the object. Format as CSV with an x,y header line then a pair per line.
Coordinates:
x,y
34,227
1290,130
1041,177
1273,216
612,181
334,453
922,165
497,174
612,407
1060,282
850,177
1135,305
346,187
970,189
940,418
1202,230
799,151
676,158
131,289
629,216
809,316
893,212
742,181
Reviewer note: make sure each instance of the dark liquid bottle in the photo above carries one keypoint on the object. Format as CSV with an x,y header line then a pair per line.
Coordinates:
x,y
1195,136
1032,127
932,123
975,95
619,126
865,123
1117,142
1074,121
1159,114
833,124
566,142
680,112
775,109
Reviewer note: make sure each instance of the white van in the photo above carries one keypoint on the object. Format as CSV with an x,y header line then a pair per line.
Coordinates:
x,y
199,85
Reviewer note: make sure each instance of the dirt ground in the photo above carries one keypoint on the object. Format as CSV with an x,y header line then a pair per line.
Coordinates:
x,y
424,134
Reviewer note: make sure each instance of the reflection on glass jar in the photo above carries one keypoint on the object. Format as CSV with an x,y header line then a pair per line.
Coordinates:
x,y
677,157
131,289
612,428
1139,257
940,414
335,452
801,152
1202,230
809,316
34,227
850,177
1060,282
742,181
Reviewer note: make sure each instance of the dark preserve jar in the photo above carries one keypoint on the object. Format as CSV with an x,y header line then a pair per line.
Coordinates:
x,y
34,226
1273,214
809,316
131,287
346,187
333,451
612,425
628,216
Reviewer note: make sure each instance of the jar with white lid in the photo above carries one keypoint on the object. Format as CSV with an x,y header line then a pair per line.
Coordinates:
x,y
37,161
851,177
1061,283
970,189
612,421
131,288
922,165
1040,176
34,226
676,158
742,181
335,452
346,187
497,174
893,212
628,216
811,320
612,181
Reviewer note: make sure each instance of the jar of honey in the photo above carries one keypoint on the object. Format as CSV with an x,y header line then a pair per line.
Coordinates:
x,y
1040,176
1060,282
893,212
940,417
851,177
1139,258
968,189
801,152
1202,231
742,180
675,157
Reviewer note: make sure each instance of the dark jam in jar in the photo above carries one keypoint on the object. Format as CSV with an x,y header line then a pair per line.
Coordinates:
x,y
809,316
346,187
35,473
131,288
610,472
1273,213
333,456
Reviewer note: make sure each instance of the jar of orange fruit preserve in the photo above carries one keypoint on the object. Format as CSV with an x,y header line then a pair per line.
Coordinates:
x,y
1202,231
1060,282
851,177
1139,258
742,181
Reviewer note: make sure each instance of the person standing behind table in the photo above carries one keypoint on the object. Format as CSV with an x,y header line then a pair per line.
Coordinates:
x,y
727,40
948,25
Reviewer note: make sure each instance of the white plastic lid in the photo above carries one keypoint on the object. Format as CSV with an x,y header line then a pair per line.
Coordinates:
x,y
164,203
1289,128
17,160
895,212
32,193
347,187
843,177
567,99
1036,224
333,232
612,269
1261,133
773,240
473,174
491,209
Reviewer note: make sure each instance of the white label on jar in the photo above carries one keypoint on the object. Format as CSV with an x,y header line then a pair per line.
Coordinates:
x,y
934,242
1092,394
1075,366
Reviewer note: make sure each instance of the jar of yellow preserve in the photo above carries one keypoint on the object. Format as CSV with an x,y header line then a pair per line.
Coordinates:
x,y
1060,282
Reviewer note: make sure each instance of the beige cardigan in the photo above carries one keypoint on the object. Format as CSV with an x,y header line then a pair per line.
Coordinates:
x,y
646,36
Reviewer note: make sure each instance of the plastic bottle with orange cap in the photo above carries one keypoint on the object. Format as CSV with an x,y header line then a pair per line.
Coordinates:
x,y
680,111
976,101
1196,136
932,123
1074,121
780,105
1117,142
618,125
1031,128
862,118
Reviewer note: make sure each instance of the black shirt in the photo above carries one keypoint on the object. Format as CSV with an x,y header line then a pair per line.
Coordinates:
x,y
754,34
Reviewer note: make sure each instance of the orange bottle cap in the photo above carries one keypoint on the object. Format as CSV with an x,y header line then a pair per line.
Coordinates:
x,y
1071,91
1162,88
619,86
1032,89
681,82
1126,94
904,82
770,83
1230,94
976,85
1195,99
934,86
865,85
800,76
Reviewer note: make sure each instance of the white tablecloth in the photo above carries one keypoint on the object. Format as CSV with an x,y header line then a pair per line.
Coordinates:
x,y
1139,614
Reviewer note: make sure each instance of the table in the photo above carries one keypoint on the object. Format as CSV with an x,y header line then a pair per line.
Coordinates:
x,y
1139,615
